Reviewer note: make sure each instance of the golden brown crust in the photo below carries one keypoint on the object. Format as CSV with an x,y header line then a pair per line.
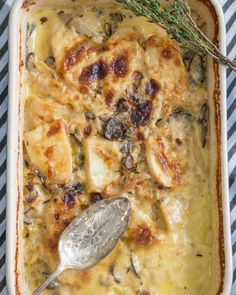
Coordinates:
x,y
143,235
27,3
75,54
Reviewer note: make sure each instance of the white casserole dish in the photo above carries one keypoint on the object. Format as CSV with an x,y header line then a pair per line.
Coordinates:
x,y
217,91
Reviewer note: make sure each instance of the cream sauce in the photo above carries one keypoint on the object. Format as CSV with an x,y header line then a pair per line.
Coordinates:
x,y
167,249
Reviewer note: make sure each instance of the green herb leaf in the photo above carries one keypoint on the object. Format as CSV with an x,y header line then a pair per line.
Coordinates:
x,y
178,23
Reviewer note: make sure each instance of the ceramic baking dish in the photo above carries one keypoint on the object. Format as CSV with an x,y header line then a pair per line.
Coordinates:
x,y
212,12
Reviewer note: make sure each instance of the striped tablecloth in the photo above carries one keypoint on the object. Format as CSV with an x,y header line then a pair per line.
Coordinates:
x,y
229,8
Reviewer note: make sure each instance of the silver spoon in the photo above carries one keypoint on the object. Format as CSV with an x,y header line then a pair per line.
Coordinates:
x,y
91,236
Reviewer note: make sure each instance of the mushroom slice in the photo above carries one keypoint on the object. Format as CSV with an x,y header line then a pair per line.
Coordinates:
x,y
49,150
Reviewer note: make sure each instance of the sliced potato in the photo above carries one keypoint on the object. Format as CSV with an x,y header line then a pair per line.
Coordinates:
x,y
62,39
44,111
165,66
49,150
161,166
50,84
102,158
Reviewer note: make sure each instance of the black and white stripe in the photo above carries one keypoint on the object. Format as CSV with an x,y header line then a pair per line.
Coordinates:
x,y
229,8
4,12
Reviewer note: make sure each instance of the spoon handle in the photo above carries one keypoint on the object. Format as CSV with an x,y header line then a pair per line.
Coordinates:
x,y
56,272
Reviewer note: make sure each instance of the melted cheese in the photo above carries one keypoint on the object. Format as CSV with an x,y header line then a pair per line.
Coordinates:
x,y
102,162
50,84
111,64
165,64
159,164
44,110
167,150
50,152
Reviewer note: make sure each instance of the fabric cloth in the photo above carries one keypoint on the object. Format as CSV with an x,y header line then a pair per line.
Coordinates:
x,y
229,8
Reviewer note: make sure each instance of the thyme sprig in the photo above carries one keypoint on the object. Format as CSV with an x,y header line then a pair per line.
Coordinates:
x,y
179,24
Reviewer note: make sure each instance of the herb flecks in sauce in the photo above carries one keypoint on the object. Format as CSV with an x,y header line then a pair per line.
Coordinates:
x,y
115,100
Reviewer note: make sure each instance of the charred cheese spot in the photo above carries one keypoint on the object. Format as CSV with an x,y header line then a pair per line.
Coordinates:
x,y
74,55
87,131
57,217
49,152
94,72
152,88
95,197
120,65
55,128
108,97
69,198
167,53
138,136
142,235
27,3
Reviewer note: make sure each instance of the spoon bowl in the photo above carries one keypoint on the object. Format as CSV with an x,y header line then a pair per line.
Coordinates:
x,y
91,236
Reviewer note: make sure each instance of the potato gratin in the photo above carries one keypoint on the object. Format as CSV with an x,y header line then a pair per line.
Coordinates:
x,y
113,107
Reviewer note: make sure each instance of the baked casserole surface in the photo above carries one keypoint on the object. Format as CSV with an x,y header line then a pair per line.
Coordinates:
x,y
114,107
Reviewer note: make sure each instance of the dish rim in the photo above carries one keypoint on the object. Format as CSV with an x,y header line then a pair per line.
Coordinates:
x,y
13,149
